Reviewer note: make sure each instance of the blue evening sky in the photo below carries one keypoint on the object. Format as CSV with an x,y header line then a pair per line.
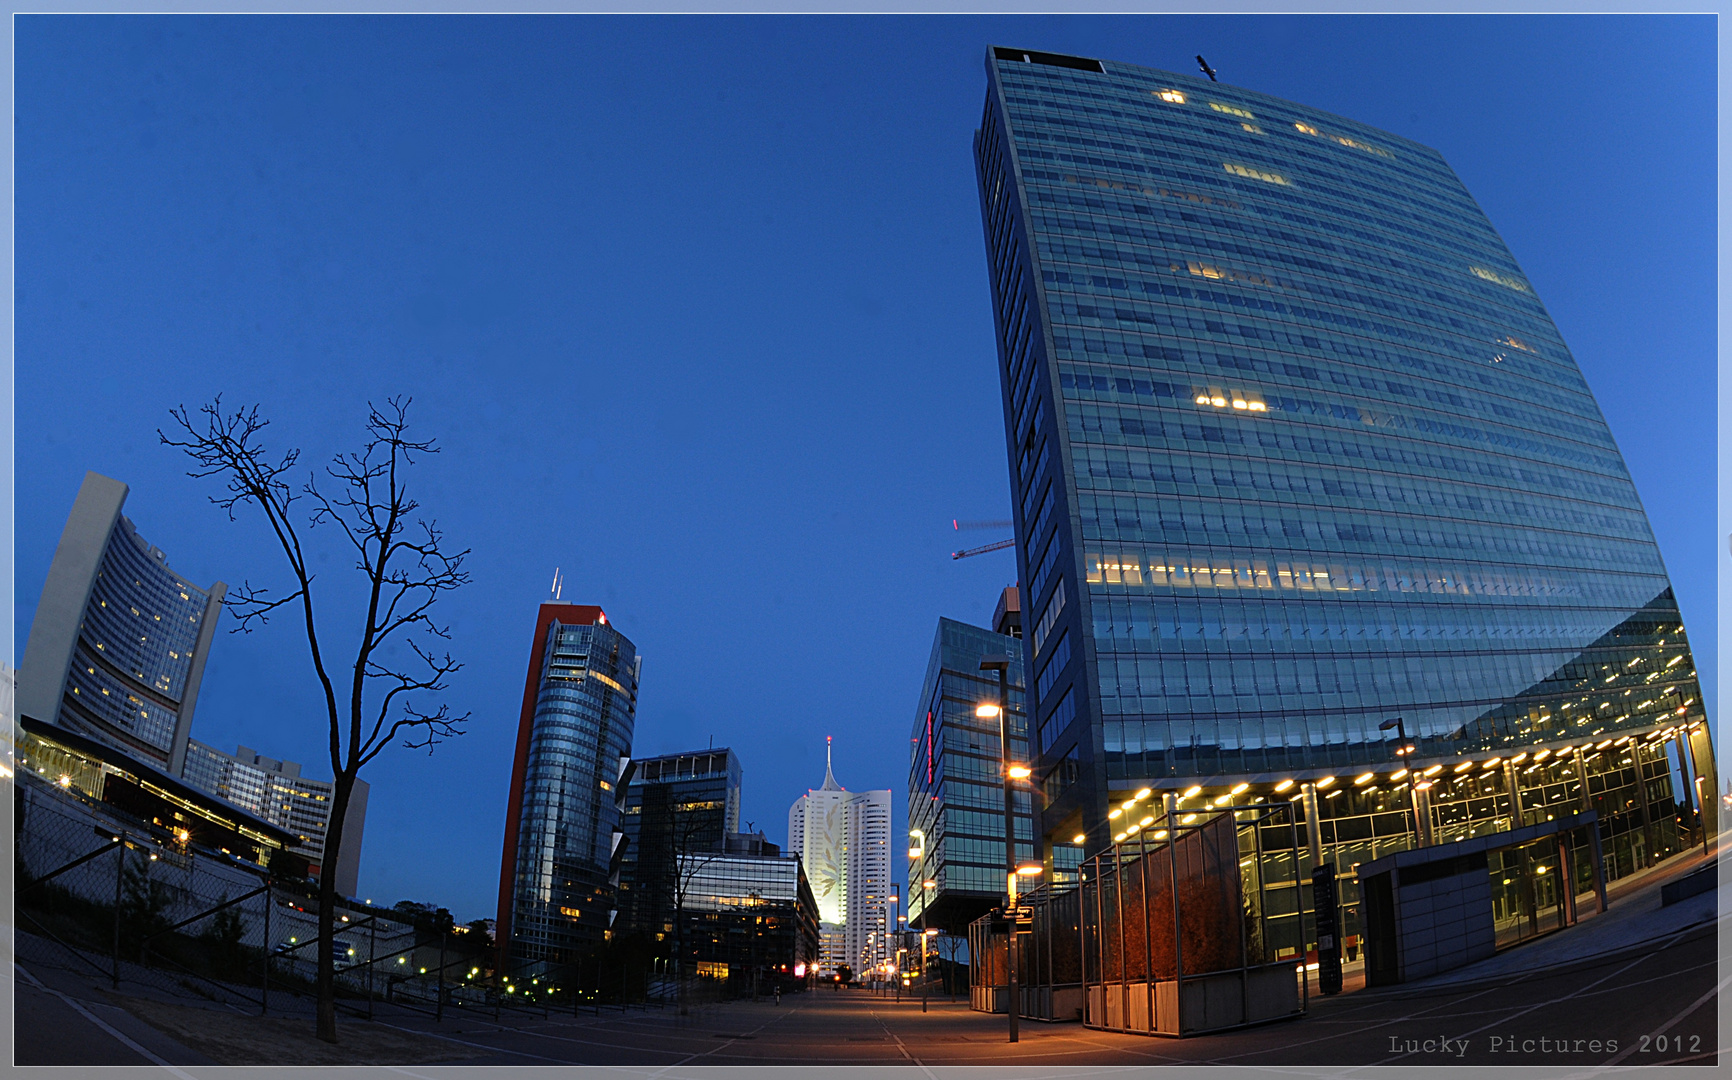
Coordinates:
x,y
698,309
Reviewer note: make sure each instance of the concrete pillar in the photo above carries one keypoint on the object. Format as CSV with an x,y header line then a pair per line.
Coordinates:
x,y
1313,827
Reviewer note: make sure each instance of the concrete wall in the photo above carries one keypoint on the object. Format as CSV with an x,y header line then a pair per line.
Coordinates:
x,y
1443,923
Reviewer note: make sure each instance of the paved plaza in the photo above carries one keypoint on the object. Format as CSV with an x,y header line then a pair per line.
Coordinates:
x,y
1638,985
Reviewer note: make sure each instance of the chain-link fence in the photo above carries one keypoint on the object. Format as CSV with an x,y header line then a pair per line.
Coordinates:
x,y
135,902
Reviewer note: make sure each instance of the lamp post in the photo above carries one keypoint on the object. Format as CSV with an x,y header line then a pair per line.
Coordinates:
x,y
901,939
1403,750
1001,664
925,977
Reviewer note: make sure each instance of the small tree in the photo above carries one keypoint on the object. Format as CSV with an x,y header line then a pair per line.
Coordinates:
x,y
844,974
690,855
404,568
225,931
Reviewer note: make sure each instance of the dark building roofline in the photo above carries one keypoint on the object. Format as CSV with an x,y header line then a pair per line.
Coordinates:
x,y
108,755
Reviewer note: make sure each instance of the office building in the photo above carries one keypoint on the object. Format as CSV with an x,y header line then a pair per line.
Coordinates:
x,y
277,792
843,841
750,914
559,873
957,861
675,804
118,643
1308,488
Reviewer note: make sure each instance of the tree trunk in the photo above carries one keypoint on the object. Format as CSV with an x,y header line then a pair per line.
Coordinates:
x,y
327,980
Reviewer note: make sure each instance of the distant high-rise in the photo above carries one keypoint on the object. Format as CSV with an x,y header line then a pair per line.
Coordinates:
x,y
675,805
1307,484
843,840
558,876
118,643
276,791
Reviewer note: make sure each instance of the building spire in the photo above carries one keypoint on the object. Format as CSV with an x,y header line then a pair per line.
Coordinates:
x,y
830,783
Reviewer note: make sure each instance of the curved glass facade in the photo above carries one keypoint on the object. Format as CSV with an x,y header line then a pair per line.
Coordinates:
x,y
135,648
567,806
1295,451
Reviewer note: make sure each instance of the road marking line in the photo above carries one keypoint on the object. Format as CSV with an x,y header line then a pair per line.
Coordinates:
x,y
1667,1026
874,1014
94,1019
1542,1004
465,1042
725,1044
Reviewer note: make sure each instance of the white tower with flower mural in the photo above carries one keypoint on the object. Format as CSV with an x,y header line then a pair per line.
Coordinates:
x,y
843,840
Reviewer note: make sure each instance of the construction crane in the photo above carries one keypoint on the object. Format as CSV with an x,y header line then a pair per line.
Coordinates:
x,y
997,545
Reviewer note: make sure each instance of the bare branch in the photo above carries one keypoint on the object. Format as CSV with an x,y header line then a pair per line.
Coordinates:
x,y
249,605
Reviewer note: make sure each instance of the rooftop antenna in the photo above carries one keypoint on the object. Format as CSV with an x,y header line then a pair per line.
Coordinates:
x,y
1207,70
558,584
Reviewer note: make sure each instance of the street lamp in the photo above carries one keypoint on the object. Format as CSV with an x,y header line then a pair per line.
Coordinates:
x,y
925,972
1400,727
1001,664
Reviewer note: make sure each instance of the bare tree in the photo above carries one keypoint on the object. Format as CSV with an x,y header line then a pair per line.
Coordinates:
x,y
405,569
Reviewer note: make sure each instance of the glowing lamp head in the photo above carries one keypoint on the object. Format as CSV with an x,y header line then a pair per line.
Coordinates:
x,y
986,712
1020,772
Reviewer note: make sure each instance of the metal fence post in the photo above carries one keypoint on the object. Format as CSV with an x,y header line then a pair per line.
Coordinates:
x,y
119,879
265,987
439,993
372,959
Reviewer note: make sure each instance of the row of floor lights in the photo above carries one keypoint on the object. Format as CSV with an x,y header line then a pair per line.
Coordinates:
x,y
1421,781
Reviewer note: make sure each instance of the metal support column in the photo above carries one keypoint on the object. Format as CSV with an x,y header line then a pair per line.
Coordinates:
x,y
1313,826
1599,864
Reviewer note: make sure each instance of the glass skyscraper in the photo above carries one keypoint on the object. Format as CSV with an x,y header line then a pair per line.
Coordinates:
x,y
1296,452
562,837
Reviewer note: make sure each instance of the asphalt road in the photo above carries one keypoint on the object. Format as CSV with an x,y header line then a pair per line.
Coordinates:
x,y
1652,1005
